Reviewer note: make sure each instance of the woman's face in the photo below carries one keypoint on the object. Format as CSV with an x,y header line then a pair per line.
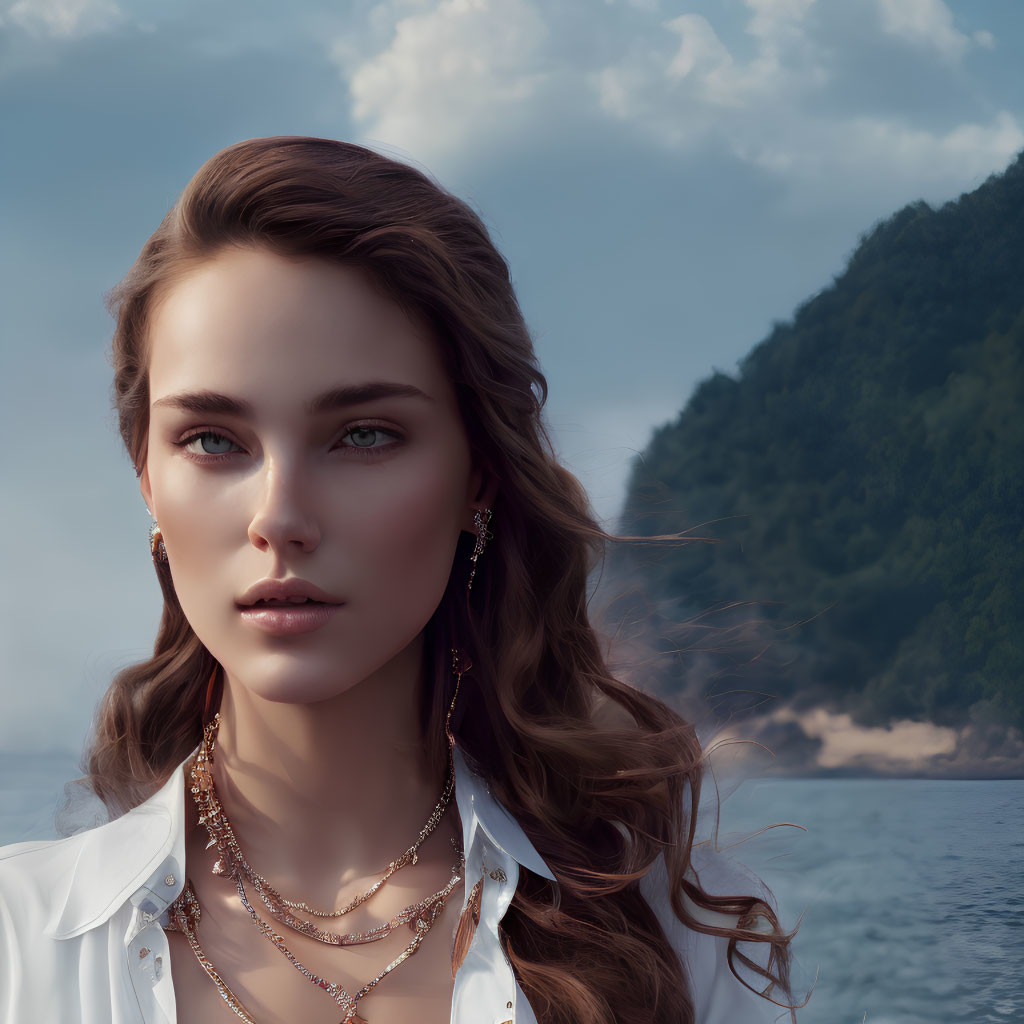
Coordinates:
x,y
364,497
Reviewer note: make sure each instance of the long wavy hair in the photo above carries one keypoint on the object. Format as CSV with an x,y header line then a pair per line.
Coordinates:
x,y
602,776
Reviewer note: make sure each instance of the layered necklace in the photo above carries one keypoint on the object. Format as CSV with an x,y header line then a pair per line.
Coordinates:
x,y
184,912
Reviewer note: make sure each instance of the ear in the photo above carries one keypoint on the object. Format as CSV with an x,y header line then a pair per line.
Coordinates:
x,y
483,491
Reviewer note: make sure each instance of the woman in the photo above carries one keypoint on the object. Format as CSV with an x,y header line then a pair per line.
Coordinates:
x,y
376,717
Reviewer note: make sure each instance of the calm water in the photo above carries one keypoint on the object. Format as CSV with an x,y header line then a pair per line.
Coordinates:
x,y
912,891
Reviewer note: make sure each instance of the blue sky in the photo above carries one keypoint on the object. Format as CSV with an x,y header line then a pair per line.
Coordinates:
x,y
665,179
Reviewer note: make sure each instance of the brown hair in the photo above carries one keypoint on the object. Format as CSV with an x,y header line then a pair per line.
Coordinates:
x,y
600,795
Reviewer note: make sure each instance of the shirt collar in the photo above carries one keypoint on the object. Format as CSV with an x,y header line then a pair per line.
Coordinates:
x,y
479,808
140,856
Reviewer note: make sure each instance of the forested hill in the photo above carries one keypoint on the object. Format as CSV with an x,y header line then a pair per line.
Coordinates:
x,y
871,452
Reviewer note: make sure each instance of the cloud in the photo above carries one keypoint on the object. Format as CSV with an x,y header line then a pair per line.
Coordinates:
x,y
775,19
445,80
774,9
700,54
450,76
771,110
700,94
881,156
928,23
974,148
63,19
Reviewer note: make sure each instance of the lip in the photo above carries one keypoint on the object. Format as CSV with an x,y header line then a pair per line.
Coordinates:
x,y
303,618
282,590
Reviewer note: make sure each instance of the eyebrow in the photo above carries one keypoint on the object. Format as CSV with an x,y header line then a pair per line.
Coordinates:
x,y
336,398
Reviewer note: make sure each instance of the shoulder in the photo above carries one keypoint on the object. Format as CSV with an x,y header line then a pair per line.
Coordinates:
x,y
33,883
66,906
58,888
32,876
719,996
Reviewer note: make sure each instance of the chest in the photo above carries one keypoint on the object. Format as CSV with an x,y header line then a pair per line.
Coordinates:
x,y
271,989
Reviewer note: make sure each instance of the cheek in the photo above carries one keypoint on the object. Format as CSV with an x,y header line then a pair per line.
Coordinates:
x,y
407,537
201,519
202,522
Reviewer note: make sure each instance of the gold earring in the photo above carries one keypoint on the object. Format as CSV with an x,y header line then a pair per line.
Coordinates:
x,y
156,544
482,519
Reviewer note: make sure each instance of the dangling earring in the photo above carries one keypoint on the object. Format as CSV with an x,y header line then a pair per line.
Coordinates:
x,y
482,518
460,664
156,544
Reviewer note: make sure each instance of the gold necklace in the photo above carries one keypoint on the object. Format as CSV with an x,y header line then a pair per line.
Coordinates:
x,y
184,912
231,861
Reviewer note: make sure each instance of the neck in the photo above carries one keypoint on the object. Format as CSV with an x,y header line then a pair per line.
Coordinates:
x,y
330,792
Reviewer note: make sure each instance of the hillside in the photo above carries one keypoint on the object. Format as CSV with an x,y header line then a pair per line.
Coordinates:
x,y
865,471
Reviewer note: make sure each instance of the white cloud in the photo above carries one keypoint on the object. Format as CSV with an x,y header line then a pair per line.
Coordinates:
x,y
697,93
702,75
445,78
928,23
450,75
640,5
767,111
64,19
700,50
772,18
700,93
882,156
972,148
699,76
792,9
439,78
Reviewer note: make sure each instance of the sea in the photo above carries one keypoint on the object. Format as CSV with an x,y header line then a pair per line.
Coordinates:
x,y
909,893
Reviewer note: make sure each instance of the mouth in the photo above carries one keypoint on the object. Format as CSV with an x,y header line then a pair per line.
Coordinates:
x,y
288,605
285,618
262,603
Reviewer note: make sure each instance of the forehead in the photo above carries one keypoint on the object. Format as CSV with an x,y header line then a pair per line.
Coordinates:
x,y
276,330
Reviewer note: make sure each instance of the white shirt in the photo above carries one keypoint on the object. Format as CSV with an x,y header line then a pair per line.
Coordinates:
x,y
78,914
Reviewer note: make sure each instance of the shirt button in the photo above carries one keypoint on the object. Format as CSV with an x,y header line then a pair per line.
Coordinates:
x,y
169,880
150,910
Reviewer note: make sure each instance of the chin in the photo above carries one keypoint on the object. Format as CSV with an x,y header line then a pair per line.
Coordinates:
x,y
287,689
301,694
290,675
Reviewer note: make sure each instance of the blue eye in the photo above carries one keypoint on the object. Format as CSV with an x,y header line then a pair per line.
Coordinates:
x,y
186,441
372,431
364,435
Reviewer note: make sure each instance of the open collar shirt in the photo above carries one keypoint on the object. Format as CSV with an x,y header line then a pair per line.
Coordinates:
x,y
82,920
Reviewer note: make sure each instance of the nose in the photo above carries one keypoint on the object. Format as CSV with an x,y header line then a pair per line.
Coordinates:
x,y
284,519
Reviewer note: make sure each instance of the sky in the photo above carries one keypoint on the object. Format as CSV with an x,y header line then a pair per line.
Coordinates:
x,y
666,180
